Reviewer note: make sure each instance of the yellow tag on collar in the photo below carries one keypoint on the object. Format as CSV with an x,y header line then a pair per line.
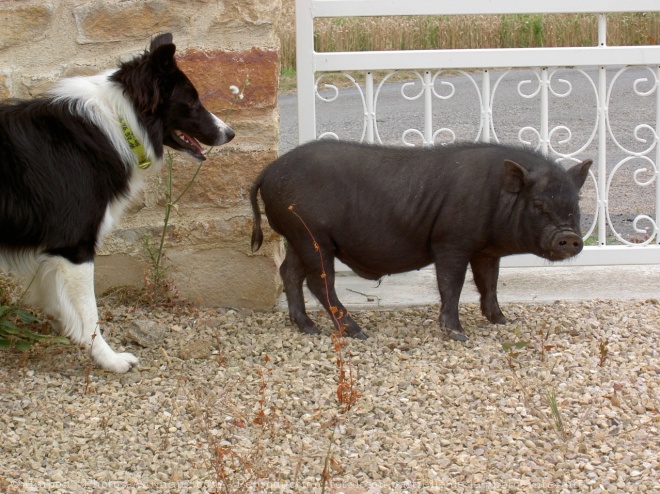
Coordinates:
x,y
135,145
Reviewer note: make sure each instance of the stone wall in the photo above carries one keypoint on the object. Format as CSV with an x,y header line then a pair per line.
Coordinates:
x,y
219,44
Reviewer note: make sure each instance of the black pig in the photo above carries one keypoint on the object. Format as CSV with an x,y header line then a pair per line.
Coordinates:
x,y
385,210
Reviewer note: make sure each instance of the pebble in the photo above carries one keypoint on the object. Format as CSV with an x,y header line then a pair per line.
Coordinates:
x,y
243,394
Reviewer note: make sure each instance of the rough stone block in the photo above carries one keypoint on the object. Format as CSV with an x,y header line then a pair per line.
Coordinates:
x,y
224,179
254,71
257,129
221,276
112,271
24,22
242,25
4,87
241,37
254,13
102,21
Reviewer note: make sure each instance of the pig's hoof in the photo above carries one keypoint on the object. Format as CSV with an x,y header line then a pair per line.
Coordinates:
x,y
457,335
497,319
354,331
310,330
359,335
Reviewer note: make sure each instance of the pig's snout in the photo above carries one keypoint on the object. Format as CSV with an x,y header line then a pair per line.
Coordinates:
x,y
565,244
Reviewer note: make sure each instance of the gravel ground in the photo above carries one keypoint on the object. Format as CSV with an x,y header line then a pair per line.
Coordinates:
x,y
235,401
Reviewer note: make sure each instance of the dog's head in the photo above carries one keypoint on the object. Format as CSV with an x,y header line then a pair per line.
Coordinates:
x,y
168,103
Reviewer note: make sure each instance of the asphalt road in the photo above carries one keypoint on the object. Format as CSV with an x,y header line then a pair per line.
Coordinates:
x,y
576,110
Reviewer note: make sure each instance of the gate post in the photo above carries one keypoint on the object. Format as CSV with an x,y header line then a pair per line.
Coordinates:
x,y
306,84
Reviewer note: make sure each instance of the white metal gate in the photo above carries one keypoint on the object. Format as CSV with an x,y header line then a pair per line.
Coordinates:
x,y
600,68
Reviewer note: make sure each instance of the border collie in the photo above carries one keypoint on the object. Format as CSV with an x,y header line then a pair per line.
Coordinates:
x,y
71,163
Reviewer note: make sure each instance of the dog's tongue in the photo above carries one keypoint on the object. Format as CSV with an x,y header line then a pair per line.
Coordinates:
x,y
192,142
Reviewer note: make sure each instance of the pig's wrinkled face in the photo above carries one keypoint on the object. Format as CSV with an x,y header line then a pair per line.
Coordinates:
x,y
559,219
552,212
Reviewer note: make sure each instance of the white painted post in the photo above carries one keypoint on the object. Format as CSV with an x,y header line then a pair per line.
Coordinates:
x,y
545,84
305,71
602,137
428,109
369,97
486,110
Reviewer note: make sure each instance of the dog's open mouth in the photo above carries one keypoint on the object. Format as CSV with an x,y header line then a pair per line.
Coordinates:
x,y
188,144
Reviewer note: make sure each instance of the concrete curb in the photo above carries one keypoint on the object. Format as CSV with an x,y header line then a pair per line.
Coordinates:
x,y
515,285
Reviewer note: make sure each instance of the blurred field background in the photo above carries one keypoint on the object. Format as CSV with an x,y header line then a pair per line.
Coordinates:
x,y
448,32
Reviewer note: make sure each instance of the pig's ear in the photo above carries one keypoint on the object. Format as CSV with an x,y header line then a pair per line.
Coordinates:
x,y
515,177
579,172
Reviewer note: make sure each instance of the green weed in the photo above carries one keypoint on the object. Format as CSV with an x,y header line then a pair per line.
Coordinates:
x,y
14,319
158,286
557,419
512,351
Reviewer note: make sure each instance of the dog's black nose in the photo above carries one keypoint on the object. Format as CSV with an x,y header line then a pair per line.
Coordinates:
x,y
229,133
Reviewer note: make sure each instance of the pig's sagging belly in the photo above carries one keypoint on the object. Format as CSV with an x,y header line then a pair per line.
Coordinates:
x,y
374,264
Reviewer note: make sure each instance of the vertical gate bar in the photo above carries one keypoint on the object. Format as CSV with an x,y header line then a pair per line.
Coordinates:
x,y
369,102
486,111
305,71
602,138
602,156
602,30
544,111
428,109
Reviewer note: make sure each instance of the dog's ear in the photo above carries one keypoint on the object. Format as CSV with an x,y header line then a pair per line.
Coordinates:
x,y
162,53
161,39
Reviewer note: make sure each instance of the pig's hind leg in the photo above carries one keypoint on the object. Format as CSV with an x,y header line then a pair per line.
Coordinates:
x,y
322,284
293,275
486,271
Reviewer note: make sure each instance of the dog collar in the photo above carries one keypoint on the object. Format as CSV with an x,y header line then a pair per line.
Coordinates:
x,y
135,145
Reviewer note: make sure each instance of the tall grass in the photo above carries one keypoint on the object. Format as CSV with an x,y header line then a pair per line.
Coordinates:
x,y
466,31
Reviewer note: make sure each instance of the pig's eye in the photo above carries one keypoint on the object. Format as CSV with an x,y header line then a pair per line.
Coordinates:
x,y
539,207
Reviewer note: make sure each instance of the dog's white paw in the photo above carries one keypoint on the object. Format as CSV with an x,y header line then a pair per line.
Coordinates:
x,y
116,362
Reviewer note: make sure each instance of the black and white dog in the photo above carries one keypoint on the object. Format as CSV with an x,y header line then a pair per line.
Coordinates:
x,y
72,162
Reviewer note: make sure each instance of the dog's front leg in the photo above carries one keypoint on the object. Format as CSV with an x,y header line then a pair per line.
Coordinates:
x,y
70,298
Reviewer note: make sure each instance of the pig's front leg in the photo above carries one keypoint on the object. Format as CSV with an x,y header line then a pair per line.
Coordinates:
x,y
486,270
450,271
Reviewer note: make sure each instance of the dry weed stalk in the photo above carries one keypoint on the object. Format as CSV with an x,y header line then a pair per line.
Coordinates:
x,y
347,393
233,471
88,368
262,416
159,289
544,347
603,352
